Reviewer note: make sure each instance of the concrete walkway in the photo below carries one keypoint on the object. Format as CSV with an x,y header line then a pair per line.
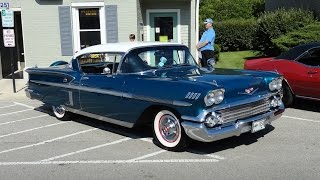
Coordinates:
x,y
6,89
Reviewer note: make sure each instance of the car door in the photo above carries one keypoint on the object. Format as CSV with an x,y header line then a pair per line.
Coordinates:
x,y
311,84
101,94
100,88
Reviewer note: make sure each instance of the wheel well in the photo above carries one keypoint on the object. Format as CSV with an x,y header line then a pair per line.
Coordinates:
x,y
286,83
146,118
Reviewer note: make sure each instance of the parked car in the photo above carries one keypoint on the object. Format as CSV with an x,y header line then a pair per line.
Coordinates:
x,y
160,84
300,67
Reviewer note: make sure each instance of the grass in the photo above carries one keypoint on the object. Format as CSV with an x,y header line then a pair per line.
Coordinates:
x,y
234,60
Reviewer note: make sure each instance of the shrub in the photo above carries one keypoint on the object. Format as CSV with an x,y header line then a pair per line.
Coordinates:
x,y
235,34
303,35
217,49
220,10
274,24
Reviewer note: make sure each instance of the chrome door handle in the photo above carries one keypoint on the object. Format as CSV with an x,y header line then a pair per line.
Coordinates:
x,y
65,80
85,78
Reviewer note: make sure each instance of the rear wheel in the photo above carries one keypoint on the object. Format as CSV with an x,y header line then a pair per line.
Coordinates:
x,y
168,131
288,96
61,113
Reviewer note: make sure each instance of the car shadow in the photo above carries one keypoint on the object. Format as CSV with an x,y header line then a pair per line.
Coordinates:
x,y
195,147
306,105
228,143
134,133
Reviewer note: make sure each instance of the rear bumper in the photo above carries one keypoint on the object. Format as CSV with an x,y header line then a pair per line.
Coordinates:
x,y
32,94
198,131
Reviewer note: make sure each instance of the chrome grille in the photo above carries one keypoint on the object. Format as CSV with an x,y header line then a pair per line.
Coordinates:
x,y
244,111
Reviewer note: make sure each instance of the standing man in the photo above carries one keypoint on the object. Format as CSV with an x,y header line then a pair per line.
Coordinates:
x,y
206,43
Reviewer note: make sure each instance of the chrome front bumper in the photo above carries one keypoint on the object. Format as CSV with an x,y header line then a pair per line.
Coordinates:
x,y
198,131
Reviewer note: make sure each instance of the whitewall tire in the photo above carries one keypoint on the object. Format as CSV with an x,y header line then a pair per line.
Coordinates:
x,y
168,131
61,113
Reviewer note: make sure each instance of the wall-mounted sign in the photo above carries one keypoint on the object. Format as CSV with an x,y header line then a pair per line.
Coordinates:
x,y
8,38
4,5
7,18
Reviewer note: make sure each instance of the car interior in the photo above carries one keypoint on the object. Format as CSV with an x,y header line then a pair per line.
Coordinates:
x,y
311,58
96,63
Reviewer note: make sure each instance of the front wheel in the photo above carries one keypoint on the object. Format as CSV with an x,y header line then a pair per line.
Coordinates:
x,y
168,131
61,113
288,96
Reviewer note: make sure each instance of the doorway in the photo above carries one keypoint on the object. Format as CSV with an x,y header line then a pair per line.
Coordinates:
x,y
164,25
18,51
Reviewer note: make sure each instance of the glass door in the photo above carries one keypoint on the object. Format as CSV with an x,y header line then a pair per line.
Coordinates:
x,y
163,27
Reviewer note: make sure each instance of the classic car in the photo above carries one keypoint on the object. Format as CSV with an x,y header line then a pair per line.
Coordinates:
x,y
159,84
300,67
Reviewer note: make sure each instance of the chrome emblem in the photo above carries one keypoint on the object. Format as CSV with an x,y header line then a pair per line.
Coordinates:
x,y
248,91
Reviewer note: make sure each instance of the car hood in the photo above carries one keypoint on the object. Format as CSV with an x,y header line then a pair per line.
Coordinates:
x,y
237,83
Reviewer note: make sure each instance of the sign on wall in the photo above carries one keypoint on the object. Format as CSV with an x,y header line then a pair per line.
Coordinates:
x,y
7,18
4,5
8,38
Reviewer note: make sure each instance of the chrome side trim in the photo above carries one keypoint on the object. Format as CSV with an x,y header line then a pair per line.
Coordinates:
x,y
114,93
181,103
305,97
70,98
102,118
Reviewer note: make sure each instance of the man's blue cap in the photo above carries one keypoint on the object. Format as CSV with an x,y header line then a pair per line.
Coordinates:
x,y
208,20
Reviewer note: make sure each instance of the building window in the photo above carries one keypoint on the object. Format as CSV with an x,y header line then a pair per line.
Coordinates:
x,y
88,24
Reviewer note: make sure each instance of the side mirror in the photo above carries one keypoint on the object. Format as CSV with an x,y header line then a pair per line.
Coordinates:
x,y
106,70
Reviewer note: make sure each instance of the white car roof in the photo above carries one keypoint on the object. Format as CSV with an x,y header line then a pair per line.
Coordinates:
x,y
119,47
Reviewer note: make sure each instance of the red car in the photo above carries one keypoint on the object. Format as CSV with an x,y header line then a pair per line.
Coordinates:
x,y
300,67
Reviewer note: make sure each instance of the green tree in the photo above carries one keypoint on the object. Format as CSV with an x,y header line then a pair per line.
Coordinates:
x,y
220,10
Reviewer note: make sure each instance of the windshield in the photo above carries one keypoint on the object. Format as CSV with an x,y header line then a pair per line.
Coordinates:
x,y
157,57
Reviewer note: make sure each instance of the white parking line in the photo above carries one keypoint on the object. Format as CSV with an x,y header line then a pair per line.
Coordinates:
x,y
7,106
47,141
109,162
215,156
10,122
301,119
87,149
146,140
28,130
15,112
31,107
146,156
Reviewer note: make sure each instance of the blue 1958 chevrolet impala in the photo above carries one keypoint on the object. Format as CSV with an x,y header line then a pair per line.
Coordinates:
x,y
160,84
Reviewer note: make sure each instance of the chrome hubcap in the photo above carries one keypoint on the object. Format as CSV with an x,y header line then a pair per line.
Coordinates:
x,y
60,110
169,128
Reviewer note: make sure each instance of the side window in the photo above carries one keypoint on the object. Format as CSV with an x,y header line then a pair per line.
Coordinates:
x,y
133,63
99,63
312,58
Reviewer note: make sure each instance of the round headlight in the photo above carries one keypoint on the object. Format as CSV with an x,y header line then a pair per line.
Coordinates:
x,y
214,97
279,83
275,84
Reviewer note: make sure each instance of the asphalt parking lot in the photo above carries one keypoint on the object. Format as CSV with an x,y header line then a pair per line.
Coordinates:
x,y
35,145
